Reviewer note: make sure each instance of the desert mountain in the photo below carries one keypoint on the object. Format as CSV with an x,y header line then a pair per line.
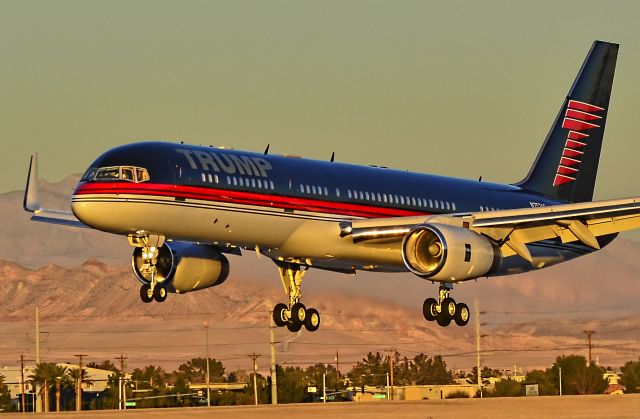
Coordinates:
x,y
88,300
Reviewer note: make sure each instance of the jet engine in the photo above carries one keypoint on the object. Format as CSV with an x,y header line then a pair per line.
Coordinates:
x,y
183,267
447,253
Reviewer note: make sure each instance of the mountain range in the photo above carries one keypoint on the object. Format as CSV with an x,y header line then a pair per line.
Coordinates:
x,y
88,300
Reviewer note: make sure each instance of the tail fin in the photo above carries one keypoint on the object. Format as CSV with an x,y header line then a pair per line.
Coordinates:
x,y
567,164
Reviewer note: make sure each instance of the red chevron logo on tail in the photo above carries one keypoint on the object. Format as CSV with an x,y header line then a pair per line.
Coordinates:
x,y
578,118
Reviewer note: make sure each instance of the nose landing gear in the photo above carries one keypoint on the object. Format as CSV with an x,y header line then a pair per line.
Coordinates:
x,y
153,290
445,309
294,315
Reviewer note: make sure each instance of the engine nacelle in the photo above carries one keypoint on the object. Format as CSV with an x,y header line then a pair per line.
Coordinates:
x,y
184,267
447,253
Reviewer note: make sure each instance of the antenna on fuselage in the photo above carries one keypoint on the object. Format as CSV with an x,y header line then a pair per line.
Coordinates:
x,y
480,179
333,156
266,150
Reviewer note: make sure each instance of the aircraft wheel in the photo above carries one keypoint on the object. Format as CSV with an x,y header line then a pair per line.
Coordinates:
x,y
443,319
448,307
298,313
429,309
462,314
312,320
280,314
159,293
294,327
145,293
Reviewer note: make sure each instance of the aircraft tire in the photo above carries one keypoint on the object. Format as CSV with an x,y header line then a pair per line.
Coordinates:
x,y
294,327
428,309
462,314
448,307
443,320
279,316
298,313
312,320
145,293
159,293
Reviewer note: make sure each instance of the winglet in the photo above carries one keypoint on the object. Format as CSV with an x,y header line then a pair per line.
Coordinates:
x,y
31,202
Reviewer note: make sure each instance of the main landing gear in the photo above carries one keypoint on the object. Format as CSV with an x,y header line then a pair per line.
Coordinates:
x,y
295,314
153,290
445,309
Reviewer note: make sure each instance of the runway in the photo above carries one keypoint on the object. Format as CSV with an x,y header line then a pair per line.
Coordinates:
x,y
597,406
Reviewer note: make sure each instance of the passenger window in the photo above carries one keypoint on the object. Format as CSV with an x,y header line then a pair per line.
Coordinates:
x,y
210,178
436,206
413,202
326,191
338,192
366,194
448,207
402,199
216,178
384,197
453,206
260,184
430,204
307,188
272,185
253,183
313,189
379,197
241,182
204,179
361,194
235,181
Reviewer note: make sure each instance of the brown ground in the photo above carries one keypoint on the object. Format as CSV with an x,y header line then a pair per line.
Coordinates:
x,y
601,406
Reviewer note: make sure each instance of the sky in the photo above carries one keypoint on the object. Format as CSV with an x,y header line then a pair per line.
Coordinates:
x,y
459,88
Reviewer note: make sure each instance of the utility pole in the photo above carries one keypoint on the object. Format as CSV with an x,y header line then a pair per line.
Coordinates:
x,y
560,379
121,389
23,404
79,383
253,357
337,364
589,333
477,316
38,405
274,378
206,328
391,359
324,387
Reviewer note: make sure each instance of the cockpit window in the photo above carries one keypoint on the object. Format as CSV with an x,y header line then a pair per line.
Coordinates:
x,y
141,174
89,174
127,173
108,173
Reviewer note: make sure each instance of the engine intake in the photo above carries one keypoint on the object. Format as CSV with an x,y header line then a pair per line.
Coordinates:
x,y
183,266
447,253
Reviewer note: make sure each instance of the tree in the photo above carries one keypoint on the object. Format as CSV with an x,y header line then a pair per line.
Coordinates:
x,y
195,370
544,379
506,387
577,376
486,373
372,370
630,377
45,375
5,396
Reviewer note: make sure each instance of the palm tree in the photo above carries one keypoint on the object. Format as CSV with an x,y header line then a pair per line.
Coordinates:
x,y
74,375
44,375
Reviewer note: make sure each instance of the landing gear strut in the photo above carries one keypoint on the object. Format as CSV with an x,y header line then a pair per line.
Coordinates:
x,y
295,314
154,290
445,308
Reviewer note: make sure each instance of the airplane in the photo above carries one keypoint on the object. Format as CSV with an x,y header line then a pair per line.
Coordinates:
x,y
183,207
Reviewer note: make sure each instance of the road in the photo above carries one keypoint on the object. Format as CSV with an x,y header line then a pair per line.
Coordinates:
x,y
598,406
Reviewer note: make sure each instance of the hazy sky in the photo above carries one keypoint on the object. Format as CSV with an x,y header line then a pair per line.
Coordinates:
x,y
461,88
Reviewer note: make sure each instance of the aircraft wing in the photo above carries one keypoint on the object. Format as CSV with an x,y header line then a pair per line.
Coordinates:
x,y
513,229
32,204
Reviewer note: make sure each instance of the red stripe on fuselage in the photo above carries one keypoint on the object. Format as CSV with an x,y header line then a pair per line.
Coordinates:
x,y
241,197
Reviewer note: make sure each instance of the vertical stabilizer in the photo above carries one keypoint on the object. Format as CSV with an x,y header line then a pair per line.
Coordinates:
x,y
567,164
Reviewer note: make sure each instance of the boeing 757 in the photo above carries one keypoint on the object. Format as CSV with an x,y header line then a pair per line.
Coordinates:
x,y
182,207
